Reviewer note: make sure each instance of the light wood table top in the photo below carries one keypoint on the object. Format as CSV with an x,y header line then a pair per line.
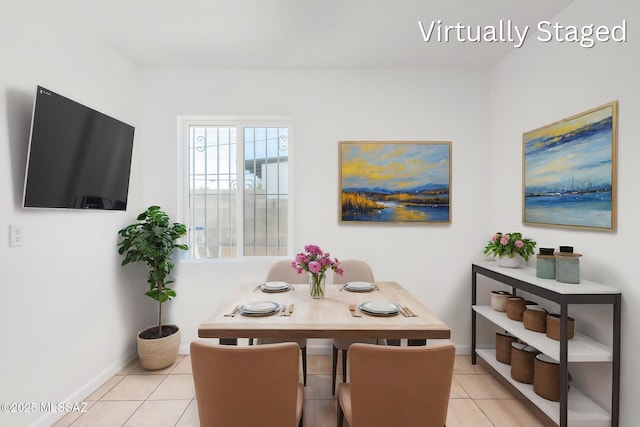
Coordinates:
x,y
328,317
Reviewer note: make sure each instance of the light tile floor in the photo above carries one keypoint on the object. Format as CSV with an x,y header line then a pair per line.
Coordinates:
x,y
135,397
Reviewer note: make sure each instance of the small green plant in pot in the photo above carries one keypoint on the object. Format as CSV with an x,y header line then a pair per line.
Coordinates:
x,y
153,240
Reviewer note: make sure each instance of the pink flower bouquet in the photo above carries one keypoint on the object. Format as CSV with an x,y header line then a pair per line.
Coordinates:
x,y
316,262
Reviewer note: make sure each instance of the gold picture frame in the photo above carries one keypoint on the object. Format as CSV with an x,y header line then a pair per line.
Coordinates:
x,y
395,182
569,173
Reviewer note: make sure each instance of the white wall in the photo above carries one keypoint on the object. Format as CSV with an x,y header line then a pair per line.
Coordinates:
x,y
432,261
547,82
69,312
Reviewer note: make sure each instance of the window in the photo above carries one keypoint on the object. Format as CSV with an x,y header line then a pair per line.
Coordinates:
x,y
238,187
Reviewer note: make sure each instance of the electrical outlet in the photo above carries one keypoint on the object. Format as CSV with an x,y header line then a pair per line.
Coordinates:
x,y
16,236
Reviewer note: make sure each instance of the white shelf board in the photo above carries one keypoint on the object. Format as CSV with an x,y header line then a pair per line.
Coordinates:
x,y
581,410
528,274
581,348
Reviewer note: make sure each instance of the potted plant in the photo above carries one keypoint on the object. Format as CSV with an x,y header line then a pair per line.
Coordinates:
x,y
507,246
152,240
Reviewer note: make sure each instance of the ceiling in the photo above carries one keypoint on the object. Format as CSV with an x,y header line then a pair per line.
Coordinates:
x,y
305,33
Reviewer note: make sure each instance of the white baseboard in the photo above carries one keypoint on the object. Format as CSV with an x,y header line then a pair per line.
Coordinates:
x,y
319,346
86,390
463,350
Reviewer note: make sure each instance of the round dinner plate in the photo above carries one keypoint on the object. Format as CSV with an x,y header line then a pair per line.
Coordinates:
x,y
261,308
359,286
275,287
380,308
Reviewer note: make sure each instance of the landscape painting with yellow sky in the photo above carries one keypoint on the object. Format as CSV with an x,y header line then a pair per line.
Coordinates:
x,y
395,181
569,171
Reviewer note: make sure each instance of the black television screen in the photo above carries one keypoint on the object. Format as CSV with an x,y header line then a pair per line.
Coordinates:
x,y
78,158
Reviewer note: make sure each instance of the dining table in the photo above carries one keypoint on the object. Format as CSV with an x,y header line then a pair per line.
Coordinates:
x,y
337,315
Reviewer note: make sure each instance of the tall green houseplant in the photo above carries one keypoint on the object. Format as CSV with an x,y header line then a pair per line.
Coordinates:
x,y
152,240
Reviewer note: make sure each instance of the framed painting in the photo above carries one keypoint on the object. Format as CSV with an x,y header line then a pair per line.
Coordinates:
x,y
395,182
570,169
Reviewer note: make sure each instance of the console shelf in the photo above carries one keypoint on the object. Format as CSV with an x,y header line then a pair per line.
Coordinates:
x,y
581,410
581,347
574,407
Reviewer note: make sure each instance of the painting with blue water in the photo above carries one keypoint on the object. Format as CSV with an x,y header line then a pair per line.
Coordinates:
x,y
395,182
570,171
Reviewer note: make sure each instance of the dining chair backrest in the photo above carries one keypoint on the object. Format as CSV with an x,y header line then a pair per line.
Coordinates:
x,y
282,271
400,386
354,271
240,386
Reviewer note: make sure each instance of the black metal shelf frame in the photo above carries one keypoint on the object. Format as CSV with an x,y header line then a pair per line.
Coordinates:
x,y
563,300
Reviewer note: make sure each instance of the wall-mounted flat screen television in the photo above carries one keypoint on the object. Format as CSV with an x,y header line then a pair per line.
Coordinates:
x,y
78,158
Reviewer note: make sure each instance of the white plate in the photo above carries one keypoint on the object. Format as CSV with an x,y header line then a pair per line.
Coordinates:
x,y
380,308
275,287
262,307
359,286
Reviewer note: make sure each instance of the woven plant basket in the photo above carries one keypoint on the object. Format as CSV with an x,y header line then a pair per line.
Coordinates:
x,y
159,353
499,300
515,308
535,319
546,377
503,347
522,362
553,327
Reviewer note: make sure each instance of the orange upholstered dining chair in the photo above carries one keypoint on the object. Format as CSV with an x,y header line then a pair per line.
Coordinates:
x,y
354,271
281,271
240,386
397,386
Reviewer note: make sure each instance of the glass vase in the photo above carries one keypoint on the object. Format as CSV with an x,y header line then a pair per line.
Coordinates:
x,y
317,285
